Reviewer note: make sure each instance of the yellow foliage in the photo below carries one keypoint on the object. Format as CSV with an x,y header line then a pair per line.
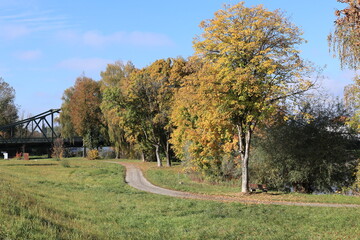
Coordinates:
x,y
93,154
249,62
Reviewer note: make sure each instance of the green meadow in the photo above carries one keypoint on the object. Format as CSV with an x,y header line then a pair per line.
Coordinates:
x,y
82,199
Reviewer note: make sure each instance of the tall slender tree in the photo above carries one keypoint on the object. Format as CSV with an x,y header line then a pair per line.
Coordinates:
x,y
67,127
113,104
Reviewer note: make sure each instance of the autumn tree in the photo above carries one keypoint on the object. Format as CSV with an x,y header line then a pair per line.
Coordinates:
x,y
345,40
250,65
150,99
345,43
203,136
82,108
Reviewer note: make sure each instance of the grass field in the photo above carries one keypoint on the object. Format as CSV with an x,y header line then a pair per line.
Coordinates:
x,y
83,199
174,178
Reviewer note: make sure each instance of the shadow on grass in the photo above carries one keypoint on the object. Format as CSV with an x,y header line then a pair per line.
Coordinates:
x,y
269,193
31,164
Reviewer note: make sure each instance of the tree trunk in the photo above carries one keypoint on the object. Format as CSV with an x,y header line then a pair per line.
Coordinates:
x,y
168,160
244,149
84,152
117,151
159,163
143,156
245,176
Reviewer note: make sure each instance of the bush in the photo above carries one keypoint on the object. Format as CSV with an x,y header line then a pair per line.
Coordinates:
x,y
58,149
93,154
307,156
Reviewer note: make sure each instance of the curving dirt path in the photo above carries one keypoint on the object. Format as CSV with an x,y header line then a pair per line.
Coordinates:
x,y
136,179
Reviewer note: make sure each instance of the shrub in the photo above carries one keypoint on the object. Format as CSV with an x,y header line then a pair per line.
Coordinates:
x,y
93,154
58,149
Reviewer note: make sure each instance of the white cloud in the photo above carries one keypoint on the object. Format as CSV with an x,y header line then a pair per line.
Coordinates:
x,y
15,24
336,83
97,39
149,39
28,55
85,64
10,32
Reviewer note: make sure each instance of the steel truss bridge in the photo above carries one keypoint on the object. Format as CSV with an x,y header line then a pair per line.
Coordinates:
x,y
34,132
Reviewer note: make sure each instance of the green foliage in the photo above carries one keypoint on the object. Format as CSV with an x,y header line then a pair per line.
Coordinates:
x,y
67,126
136,105
151,99
113,84
352,102
309,155
8,109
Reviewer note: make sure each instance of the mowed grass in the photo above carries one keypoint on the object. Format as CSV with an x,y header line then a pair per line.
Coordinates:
x,y
175,178
90,200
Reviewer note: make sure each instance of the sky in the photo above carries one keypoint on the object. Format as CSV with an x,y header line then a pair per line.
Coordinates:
x,y
46,44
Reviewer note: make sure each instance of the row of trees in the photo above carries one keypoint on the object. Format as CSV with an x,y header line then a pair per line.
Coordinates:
x,y
244,80
129,107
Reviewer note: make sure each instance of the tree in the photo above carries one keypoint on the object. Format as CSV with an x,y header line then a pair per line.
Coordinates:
x,y
352,102
113,104
345,43
345,40
82,107
150,99
251,64
67,127
8,109
203,136
309,155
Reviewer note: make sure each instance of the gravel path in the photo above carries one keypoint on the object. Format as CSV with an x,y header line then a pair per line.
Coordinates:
x,y
136,179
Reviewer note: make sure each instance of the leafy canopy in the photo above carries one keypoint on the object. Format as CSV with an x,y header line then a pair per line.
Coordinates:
x,y
249,62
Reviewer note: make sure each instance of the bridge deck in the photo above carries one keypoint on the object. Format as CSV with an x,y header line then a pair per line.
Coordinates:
x,y
16,141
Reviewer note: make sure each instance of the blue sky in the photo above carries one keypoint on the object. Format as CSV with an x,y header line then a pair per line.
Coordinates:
x,y
46,44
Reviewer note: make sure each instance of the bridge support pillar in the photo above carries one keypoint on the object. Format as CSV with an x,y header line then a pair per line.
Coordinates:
x,y
49,152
